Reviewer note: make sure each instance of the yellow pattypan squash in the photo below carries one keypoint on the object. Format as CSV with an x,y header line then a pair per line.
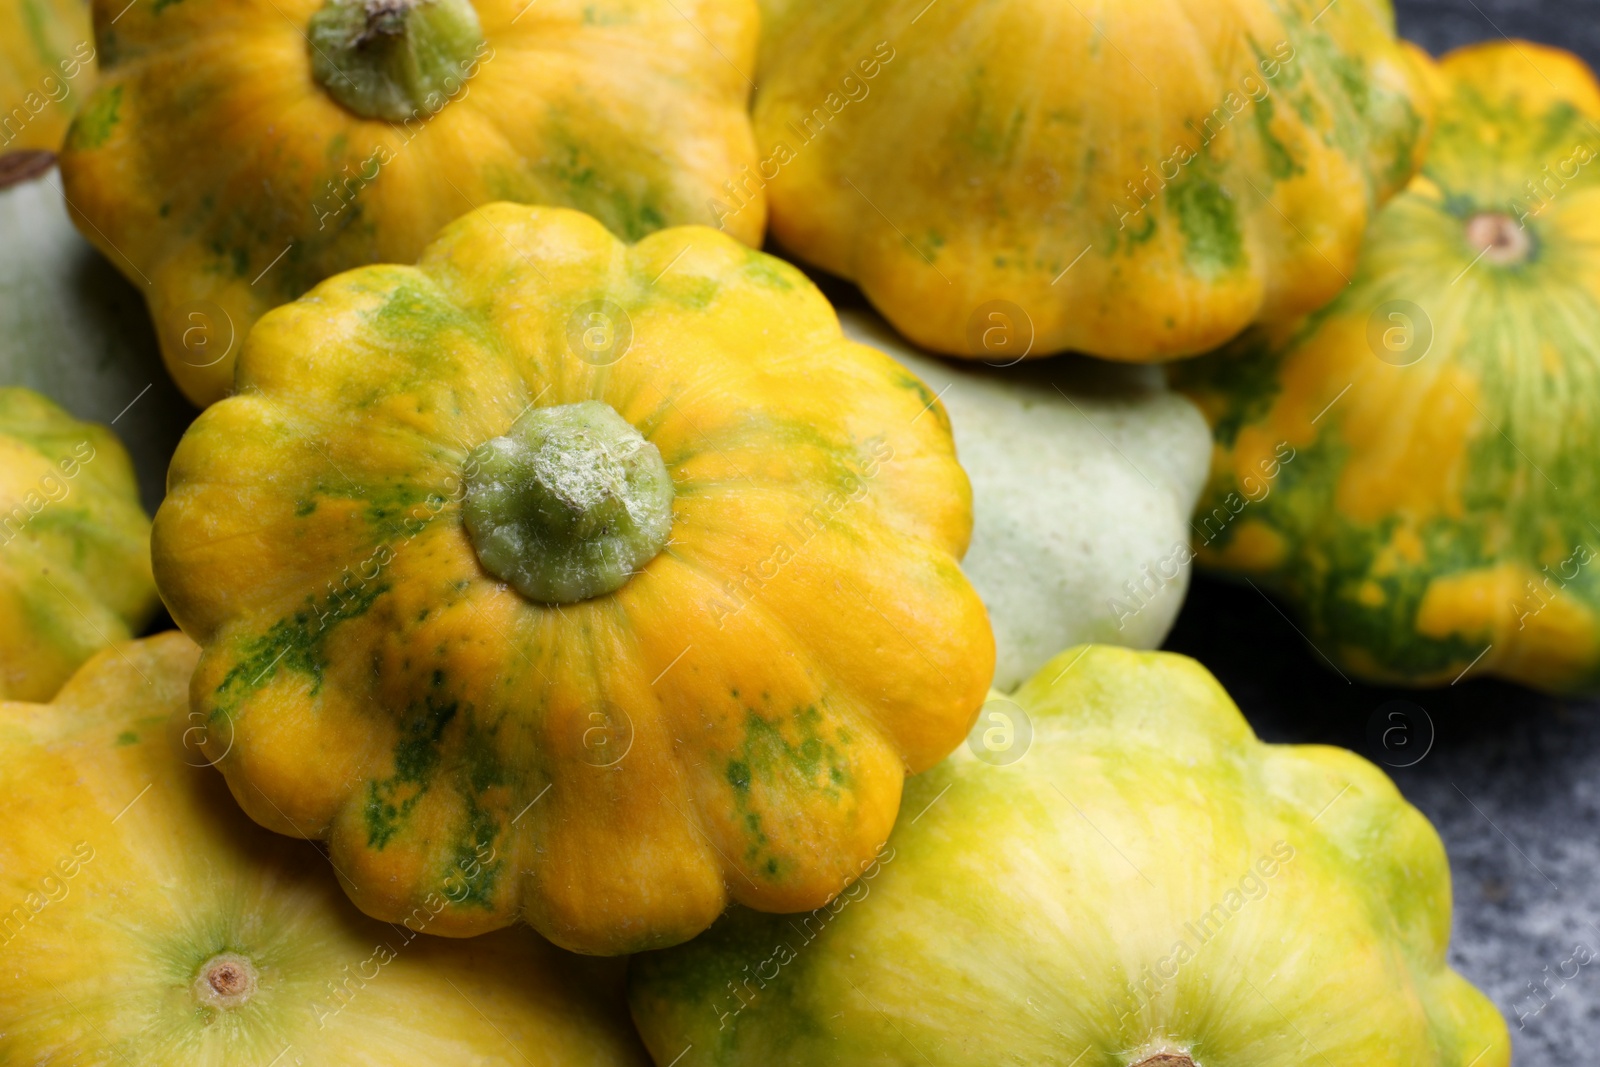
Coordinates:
x,y
46,68
1417,467
74,545
235,155
1138,180
147,923
1114,873
618,560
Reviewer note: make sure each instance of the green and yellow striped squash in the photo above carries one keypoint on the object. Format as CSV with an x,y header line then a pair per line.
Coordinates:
x,y
144,921
74,545
1432,437
225,165
1135,179
46,68
730,714
1118,874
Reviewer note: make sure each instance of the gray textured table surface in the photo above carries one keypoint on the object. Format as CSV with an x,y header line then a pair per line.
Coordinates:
x,y
1512,781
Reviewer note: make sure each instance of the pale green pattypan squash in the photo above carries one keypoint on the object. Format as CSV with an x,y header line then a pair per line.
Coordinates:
x,y
1133,881
1083,478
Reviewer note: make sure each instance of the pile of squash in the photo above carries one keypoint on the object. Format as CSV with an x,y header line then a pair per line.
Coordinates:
x,y
673,663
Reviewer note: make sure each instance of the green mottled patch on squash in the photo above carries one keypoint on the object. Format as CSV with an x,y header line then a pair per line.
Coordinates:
x,y
1209,221
416,759
92,128
297,643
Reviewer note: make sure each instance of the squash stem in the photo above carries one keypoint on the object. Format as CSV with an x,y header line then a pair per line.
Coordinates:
x,y
569,504
1499,237
226,981
398,60
24,165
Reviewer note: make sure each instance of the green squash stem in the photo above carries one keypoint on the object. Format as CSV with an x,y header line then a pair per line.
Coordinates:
x,y
568,504
394,59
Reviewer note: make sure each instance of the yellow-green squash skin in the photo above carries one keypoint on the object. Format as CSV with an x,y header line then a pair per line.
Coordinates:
x,y
47,66
1416,468
145,921
225,166
1134,179
1114,873
723,707
74,545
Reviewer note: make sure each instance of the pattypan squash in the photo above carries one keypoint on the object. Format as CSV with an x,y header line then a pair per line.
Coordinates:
x,y
1416,469
46,69
1084,475
234,156
1122,875
149,924
74,545
1137,180
73,329
618,560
